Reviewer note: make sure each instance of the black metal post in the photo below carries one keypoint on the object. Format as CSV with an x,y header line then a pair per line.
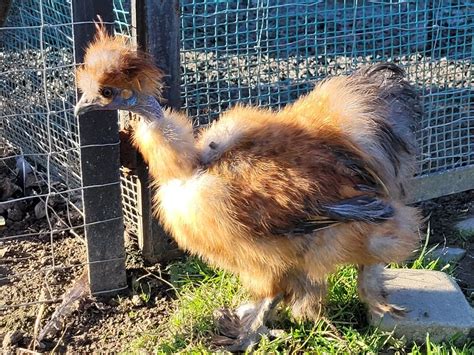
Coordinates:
x,y
100,163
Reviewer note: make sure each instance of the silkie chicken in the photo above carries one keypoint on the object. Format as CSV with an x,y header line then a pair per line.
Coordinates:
x,y
280,199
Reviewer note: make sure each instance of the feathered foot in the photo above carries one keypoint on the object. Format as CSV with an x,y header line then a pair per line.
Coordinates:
x,y
241,330
372,292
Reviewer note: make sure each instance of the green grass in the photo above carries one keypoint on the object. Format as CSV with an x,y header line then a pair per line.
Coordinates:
x,y
200,290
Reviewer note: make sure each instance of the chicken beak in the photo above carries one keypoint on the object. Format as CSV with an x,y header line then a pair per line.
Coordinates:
x,y
86,104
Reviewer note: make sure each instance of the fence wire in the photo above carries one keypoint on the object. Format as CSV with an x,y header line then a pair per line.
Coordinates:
x,y
270,52
262,52
42,244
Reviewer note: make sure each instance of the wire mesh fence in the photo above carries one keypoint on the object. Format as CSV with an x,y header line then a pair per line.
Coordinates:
x,y
40,173
269,53
262,52
42,221
37,92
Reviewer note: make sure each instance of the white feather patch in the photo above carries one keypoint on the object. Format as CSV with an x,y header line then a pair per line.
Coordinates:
x,y
181,199
219,138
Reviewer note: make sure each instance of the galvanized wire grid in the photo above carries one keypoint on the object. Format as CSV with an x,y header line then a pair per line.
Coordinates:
x,y
37,91
262,52
42,249
270,52
40,155
130,201
129,181
122,17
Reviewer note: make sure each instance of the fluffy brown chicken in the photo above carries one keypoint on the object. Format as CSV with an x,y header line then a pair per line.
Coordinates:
x,y
278,198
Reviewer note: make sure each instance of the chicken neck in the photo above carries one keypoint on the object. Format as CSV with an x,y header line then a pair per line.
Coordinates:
x,y
166,141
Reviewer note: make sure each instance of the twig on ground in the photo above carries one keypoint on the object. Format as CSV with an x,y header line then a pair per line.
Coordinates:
x,y
28,351
158,277
59,340
45,295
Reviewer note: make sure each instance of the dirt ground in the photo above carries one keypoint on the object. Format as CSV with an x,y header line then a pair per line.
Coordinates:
x,y
113,323
445,213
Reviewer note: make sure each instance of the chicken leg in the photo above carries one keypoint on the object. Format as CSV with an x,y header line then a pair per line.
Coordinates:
x,y
241,330
372,292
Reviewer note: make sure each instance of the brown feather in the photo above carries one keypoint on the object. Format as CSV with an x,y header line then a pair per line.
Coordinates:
x,y
246,193
114,61
272,167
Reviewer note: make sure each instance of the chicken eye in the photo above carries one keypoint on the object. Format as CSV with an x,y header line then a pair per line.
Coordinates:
x,y
107,92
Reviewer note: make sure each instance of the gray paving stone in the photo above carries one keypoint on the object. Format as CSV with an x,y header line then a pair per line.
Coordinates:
x,y
448,255
434,302
466,227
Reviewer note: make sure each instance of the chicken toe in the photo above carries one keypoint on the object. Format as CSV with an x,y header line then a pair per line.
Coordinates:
x,y
241,330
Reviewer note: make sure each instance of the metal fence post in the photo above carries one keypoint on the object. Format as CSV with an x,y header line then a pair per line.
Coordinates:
x,y
156,25
100,163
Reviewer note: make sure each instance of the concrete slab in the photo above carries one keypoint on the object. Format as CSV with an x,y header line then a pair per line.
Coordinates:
x,y
434,302
466,227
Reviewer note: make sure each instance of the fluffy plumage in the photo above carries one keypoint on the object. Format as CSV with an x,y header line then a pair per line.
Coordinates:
x,y
283,198
114,61
256,206
250,194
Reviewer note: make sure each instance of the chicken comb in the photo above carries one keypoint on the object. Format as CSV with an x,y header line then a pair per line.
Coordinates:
x,y
114,61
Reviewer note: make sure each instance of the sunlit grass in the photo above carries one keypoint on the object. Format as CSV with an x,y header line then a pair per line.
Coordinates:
x,y
343,329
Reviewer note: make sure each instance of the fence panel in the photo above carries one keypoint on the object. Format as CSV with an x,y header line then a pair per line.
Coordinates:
x,y
53,223
270,52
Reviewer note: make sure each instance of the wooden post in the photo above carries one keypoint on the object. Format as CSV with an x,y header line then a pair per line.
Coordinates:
x,y
156,29
100,163
443,183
